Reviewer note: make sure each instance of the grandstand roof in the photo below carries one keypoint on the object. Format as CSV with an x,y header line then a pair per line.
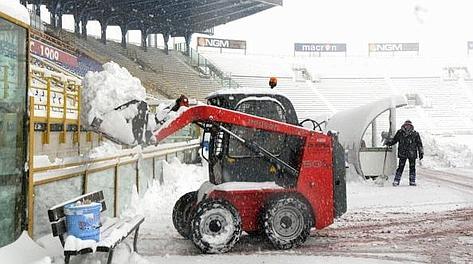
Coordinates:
x,y
174,16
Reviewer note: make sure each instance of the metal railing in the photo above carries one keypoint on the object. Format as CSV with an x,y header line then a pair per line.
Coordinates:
x,y
206,67
35,21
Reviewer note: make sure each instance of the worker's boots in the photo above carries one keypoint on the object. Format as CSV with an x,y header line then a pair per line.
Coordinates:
x,y
397,178
412,177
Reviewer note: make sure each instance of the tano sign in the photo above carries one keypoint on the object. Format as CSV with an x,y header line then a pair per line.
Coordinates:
x,y
393,47
52,53
221,43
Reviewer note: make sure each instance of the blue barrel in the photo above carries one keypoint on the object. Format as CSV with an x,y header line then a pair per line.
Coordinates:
x,y
83,220
205,145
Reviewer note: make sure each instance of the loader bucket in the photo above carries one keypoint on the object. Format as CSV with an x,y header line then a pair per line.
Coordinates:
x,y
138,124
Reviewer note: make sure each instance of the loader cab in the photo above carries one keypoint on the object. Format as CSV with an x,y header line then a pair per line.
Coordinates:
x,y
230,161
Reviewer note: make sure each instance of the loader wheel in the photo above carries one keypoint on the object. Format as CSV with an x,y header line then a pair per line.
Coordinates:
x,y
181,213
287,221
216,226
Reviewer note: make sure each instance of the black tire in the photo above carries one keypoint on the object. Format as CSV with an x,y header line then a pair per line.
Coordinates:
x,y
216,226
181,213
287,221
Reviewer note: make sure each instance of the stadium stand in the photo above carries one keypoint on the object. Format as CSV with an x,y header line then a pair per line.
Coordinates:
x,y
306,100
437,105
352,92
175,73
84,62
448,102
165,76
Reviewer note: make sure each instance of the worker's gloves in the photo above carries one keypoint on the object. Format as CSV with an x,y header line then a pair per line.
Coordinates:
x,y
387,142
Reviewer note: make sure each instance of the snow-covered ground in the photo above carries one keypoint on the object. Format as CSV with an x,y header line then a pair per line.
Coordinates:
x,y
384,224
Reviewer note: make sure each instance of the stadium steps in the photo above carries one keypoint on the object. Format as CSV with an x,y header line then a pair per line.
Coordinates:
x,y
306,101
449,103
254,65
353,92
172,71
104,53
448,109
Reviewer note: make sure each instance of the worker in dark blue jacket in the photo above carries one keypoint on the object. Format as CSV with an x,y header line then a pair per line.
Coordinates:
x,y
409,145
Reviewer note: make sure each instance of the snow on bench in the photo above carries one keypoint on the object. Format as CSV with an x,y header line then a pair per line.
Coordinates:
x,y
112,231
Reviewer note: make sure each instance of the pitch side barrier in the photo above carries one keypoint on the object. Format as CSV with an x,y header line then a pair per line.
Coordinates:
x,y
115,175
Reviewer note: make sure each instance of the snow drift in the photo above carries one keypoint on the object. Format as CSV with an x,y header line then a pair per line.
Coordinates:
x,y
104,91
453,152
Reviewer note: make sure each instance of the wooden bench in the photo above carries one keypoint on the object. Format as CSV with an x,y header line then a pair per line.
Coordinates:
x,y
112,232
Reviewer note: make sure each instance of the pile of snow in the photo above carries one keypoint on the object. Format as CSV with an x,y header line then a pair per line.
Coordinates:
x,y
453,151
158,202
24,251
107,148
16,10
104,91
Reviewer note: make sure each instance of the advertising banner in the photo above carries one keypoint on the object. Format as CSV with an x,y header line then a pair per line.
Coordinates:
x,y
320,47
52,53
221,43
393,47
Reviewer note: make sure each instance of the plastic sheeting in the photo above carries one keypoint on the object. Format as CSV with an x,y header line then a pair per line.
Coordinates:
x,y
352,124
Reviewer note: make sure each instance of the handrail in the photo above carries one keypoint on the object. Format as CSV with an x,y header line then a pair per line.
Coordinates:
x,y
132,157
196,60
98,160
53,41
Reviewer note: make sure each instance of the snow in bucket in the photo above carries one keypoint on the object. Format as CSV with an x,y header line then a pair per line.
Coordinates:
x,y
83,220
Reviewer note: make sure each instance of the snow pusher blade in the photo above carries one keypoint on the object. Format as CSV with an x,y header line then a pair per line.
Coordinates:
x,y
128,123
125,125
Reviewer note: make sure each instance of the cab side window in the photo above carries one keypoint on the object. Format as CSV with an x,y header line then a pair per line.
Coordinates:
x,y
273,142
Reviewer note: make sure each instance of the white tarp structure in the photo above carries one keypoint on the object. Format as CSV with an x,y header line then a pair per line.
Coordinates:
x,y
352,124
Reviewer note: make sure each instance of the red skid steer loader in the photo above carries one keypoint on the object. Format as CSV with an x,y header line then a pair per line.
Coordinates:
x,y
268,174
